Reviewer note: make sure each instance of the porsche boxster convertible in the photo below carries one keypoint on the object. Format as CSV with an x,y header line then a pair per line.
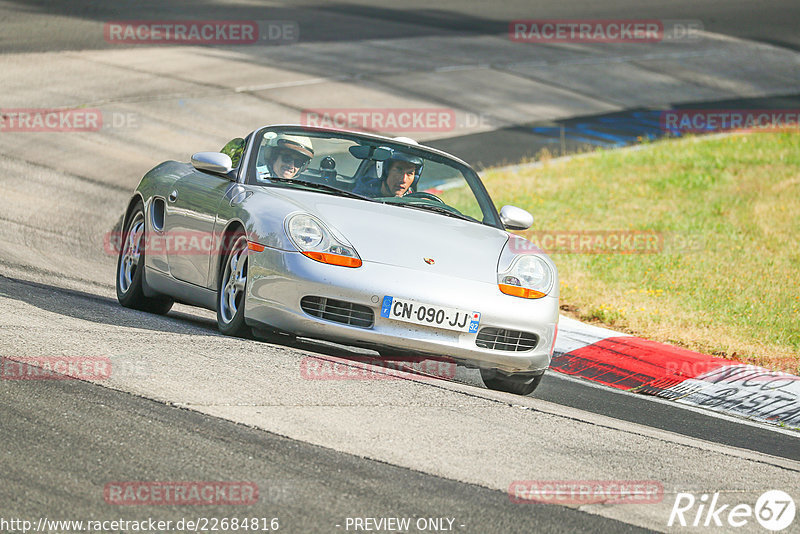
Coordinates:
x,y
350,237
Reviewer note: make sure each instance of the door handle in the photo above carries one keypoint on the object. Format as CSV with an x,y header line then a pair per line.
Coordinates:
x,y
173,196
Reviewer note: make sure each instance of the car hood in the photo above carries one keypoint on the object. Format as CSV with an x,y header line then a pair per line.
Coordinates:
x,y
406,237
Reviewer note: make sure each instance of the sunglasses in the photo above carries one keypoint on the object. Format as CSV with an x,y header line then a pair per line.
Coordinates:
x,y
297,161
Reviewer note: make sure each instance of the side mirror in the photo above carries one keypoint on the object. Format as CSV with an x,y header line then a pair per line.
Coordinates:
x,y
213,162
514,218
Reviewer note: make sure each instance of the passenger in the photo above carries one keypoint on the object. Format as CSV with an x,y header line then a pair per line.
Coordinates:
x,y
288,156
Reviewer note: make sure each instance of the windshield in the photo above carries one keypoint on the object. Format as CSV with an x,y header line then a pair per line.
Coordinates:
x,y
371,170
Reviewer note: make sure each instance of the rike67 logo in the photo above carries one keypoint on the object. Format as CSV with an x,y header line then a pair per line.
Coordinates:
x,y
774,510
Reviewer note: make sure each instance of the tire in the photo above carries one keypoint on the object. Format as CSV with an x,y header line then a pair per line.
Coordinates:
x,y
130,267
519,384
232,287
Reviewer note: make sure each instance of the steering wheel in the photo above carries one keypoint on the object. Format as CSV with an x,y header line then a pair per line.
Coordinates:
x,y
423,194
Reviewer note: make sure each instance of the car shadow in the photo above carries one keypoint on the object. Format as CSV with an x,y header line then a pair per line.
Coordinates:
x,y
354,363
98,309
103,310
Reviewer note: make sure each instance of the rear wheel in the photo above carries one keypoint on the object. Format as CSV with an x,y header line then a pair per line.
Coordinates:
x,y
232,287
518,383
130,267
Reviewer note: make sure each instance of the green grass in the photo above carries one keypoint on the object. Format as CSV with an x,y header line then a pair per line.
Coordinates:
x,y
735,198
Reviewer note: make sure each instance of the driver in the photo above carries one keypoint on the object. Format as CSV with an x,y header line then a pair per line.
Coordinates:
x,y
397,177
289,155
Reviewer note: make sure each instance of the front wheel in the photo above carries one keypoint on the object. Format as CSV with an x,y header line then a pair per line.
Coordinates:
x,y
130,267
232,287
518,383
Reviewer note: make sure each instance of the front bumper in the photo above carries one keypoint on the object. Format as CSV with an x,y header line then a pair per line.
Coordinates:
x,y
278,280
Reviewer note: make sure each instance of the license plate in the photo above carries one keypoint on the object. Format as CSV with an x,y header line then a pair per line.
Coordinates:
x,y
411,311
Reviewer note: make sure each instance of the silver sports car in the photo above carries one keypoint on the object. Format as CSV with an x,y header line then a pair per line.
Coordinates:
x,y
350,237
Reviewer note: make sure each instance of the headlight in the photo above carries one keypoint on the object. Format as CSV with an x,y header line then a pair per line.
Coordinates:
x,y
314,240
305,232
529,276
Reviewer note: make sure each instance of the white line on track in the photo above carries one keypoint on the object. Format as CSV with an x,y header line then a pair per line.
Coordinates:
x,y
296,83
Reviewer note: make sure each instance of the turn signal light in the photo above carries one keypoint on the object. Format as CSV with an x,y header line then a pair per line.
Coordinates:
x,y
518,291
334,259
255,246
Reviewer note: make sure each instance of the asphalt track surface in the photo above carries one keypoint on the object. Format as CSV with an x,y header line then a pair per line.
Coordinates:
x,y
554,388
70,438
771,22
